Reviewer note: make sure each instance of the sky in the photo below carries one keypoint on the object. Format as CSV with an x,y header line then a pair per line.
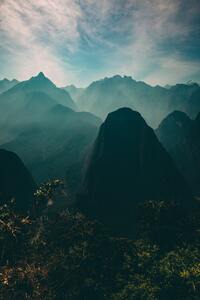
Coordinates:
x,y
80,41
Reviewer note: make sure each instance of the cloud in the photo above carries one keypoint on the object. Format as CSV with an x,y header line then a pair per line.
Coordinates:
x,y
33,31
159,34
171,68
82,40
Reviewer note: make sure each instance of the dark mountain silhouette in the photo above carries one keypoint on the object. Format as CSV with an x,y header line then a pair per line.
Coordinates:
x,y
180,136
128,165
6,84
58,140
15,181
154,103
174,128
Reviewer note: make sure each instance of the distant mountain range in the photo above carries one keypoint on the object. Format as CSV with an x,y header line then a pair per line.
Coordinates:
x,y
39,123
44,125
154,103
24,104
6,84
128,165
74,92
108,94
58,141
181,137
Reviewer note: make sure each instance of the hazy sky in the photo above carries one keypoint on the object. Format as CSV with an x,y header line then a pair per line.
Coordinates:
x,y
78,41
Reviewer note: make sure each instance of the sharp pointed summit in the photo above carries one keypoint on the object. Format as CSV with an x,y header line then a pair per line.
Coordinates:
x,y
41,74
39,87
40,77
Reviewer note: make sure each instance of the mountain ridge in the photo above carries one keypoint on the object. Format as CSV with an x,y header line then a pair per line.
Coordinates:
x,y
154,103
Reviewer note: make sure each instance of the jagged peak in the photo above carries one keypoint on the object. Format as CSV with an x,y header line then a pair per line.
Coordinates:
x,y
9,80
114,78
39,78
41,74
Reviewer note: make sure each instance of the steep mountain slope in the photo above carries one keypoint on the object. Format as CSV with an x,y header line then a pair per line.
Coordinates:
x,y
23,104
74,92
17,95
154,103
6,84
180,136
128,165
15,181
58,140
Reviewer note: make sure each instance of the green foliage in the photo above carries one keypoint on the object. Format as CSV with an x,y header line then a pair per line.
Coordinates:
x,y
51,196
167,223
13,232
64,255
180,271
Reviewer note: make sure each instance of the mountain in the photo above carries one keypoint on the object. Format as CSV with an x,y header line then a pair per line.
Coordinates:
x,y
47,135
15,181
181,98
57,141
128,165
6,84
23,104
74,92
39,83
154,103
180,136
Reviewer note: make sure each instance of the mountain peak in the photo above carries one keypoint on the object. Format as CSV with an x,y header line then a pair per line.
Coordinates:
x,y
40,78
176,118
178,115
5,80
41,75
124,113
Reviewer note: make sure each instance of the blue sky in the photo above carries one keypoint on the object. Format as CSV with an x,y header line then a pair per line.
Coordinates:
x,y
79,41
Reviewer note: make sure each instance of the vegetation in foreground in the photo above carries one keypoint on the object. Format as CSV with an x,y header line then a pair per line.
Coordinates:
x,y
63,255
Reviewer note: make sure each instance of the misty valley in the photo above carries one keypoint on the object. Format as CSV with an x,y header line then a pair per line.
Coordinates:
x,y
99,190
